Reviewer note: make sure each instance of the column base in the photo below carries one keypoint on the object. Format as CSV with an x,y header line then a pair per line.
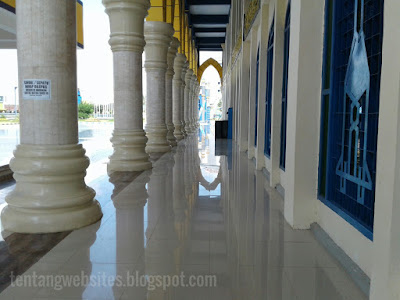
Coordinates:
x,y
50,194
183,129
178,132
122,193
188,128
193,127
157,139
170,135
129,151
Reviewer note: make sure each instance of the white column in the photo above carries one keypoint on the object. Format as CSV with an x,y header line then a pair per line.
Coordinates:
x,y
158,39
196,105
185,69
127,43
194,102
168,91
129,228
49,165
177,97
244,94
188,91
276,107
267,17
197,111
385,275
158,253
304,96
179,204
235,100
251,153
190,103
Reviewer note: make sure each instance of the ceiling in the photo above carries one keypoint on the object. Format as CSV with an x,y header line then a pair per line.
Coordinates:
x,y
208,20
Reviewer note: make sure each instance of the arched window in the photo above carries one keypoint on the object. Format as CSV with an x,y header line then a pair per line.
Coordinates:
x,y
268,98
350,109
282,161
256,98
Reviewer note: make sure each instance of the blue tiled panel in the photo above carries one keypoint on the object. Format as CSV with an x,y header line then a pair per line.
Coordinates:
x,y
268,98
256,98
282,161
353,124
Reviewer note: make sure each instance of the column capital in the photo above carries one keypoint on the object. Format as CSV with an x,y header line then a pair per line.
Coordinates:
x,y
126,24
158,37
123,199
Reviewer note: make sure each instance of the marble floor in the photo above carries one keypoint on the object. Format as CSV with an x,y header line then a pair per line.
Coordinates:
x,y
202,224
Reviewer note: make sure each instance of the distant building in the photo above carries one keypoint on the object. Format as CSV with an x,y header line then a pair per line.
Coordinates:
x,y
8,108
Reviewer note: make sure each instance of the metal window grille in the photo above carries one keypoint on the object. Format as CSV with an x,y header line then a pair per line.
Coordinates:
x,y
268,98
353,110
256,98
282,160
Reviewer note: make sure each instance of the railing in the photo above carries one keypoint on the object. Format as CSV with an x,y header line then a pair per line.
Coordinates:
x,y
103,111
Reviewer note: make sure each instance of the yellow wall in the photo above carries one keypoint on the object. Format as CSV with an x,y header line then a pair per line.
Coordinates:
x,y
156,11
173,12
187,44
169,11
9,2
79,24
161,11
177,22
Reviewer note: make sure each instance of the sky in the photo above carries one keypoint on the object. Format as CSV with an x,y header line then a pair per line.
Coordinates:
x,y
95,63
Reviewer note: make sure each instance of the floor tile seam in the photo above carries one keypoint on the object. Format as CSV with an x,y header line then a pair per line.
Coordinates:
x,y
107,264
286,275
35,259
209,251
140,175
269,242
70,258
272,265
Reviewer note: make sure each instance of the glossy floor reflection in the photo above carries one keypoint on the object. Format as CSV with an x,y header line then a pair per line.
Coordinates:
x,y
195,214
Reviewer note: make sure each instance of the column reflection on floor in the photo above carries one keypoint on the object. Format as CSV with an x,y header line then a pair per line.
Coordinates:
x,y
238,233
160,235
130,234
203,209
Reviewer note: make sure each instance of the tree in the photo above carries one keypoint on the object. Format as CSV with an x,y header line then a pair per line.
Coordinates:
x,y
85,110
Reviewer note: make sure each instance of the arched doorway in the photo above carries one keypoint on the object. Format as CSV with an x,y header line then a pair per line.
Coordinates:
x,y
206,64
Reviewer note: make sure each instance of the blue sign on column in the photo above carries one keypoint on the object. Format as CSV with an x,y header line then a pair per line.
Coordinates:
x,y
230,122
79,97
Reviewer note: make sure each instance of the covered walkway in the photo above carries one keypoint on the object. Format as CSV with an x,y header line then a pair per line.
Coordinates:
x,y
304,197
226,235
